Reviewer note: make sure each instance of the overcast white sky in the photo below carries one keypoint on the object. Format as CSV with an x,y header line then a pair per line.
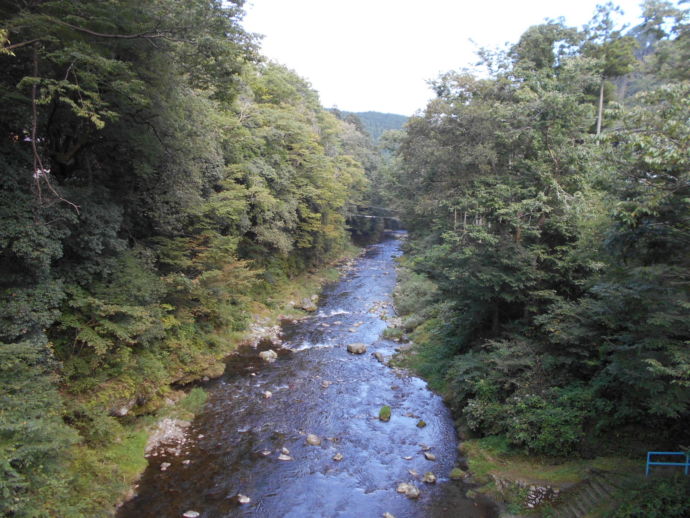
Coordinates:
x,y
363,55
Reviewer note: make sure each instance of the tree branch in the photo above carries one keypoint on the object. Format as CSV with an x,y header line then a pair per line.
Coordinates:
x,y
39,171
19,45
140,35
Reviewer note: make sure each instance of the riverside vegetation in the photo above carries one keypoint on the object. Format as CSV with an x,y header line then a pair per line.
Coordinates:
x,y
162,183
547,278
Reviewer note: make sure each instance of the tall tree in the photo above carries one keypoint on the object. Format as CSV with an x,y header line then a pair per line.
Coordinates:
x,y
557,260
614,51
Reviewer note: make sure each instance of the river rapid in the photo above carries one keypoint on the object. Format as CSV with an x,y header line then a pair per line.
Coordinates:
x,y
236,444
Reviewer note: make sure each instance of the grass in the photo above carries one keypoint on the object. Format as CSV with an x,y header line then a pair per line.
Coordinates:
x,y
128,454
101,476
504,474
393,333
605,509
492,457
193,403
428,358
279,303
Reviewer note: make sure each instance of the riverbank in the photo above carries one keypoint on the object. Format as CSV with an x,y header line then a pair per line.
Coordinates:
x,y
303,434
534,486
105,473
520,484
528,485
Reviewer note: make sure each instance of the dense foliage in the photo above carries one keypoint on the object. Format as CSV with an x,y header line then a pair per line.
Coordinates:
x,y
552,262
157,176
376,123
664,498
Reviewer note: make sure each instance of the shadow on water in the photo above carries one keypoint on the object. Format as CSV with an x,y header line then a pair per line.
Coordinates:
x,y
235,445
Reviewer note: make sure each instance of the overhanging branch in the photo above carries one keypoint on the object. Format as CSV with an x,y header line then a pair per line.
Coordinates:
x,y
140,35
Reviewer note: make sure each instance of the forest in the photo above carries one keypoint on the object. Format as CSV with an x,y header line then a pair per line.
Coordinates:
x,y
547,278
160,177
375,124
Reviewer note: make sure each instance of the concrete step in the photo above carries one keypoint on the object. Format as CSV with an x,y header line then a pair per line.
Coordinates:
x,y
614,480
598,489
567,512
602,490
580,506
589,496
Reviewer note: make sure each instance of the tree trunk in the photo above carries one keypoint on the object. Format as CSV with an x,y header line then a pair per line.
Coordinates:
x,y
495,319
601,106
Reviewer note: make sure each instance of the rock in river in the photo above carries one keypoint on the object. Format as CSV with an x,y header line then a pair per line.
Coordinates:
x,y
429,478
357,348
268,356
410,490
191,514
313,440
385,413
402,487
429,456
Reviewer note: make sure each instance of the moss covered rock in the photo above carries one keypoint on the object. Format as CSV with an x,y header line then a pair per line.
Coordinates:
x,y
385,413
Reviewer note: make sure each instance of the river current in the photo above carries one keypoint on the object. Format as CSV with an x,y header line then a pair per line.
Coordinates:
x,y
245,443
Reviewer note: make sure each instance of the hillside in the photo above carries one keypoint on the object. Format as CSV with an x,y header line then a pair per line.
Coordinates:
x,y
376,123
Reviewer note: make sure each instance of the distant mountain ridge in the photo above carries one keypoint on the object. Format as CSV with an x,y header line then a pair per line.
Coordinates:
x,y
376,122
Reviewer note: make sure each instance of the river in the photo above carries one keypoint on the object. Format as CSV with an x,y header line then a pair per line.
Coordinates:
x,y
236,444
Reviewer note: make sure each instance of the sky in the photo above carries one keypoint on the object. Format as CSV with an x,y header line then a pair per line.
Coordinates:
x,y
378,55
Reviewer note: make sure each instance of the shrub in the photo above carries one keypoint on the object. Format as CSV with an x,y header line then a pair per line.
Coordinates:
x,y
415,294
662,498
545,427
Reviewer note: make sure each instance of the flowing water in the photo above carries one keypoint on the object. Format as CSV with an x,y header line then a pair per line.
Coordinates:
x,y
317,388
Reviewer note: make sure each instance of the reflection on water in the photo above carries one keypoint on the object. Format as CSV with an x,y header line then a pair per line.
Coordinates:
x,y
317,387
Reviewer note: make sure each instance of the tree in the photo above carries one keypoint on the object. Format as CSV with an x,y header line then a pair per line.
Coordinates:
x,y
545,46
614,52
559,261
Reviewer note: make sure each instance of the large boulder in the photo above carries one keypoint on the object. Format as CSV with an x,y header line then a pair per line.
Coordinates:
x,y
357,348
268,356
